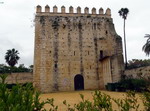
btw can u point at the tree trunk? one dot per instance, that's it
(125, 51)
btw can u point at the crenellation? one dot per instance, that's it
(38, 9)
(78, 10)
(108, 12)
(47, 8)
(63, 9)
(72, 13)
(93, 10)
(86, 10)
(71, 9)
(101, 11)
(55, 9)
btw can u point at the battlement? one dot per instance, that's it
(71, 11)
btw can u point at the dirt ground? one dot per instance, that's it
(74, 97)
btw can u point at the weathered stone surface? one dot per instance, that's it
(143, 72)
(68, 44)
(21, 78)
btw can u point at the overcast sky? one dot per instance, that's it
(17, 26)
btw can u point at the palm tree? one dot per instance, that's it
(146, 47)
(12, 57)
(123, 12)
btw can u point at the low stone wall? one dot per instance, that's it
(139, 72)
(14, 78)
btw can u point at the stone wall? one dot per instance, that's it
(71, 44)
(14, 78)
(138, 72)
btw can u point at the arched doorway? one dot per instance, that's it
(78, 82)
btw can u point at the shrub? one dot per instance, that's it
(102, 102)
(26, 98)
(132, 84)
(146, 100)
(129, 103)
(22, 98)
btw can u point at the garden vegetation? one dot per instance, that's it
(26, 98)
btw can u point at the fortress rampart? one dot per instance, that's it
(75, 50)
(73, 13)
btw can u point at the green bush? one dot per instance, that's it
(21, 98)
(102, 102)
(111, 86)
(146, 100)
(132, 84)
(129, 103)
(26, 98)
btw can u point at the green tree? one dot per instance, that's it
(123, 12)
(12, 57)
(136, 63)
(31, 68)
(146, 47)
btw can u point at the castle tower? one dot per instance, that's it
(75, 50)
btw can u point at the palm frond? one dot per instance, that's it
(123, 12)
(147, 35)
(126, 10)
(146, 47)
(12, 57)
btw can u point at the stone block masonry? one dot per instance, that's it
(20, 78)
(141, 72)
(75, 50)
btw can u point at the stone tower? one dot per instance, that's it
(75, 50)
